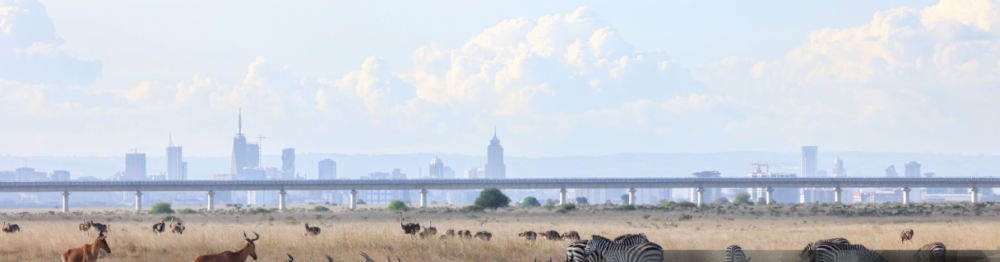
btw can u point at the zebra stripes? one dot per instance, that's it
(834, 252)
(735, 254)
(577, 251)
(933, 252)
(601, 249)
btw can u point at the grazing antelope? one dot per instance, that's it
(571, 235)
(483, 235)
(88, 252)
(907, 234)
(85, 227)
(239, 256)
(551, 235)
(10, 228)
(177, 229)
(159, 227)
(408, 228)
(312, 230)
(528, 235)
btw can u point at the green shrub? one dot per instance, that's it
(530, 202)
(161, 208)
(397, 205)
(742, 198)
(549, 206)
(473, 208)
(721, 201)
(625, 208)
(668, 204)
(582, 201)
(686, 204)
(259, 210)
(492, 198)
(566, 208)
(187, 211)
(320, 209)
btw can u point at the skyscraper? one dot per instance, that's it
(135, 166)
(253, 157)
(495, 168)
(176, 167)
(288, 160)
(912, 169)
(327, 169)
(809, 161)
(838, 168)
(891, 171)
(240, 152)
(436, 168)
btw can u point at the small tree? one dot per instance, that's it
(320, 209)
(742, 198)
(566, 208)
(492, 198)
(187, 211)
(581, 200)
(530, 202)
(397, 205)
(161, 208)
(625, 199)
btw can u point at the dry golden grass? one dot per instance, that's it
(344, 233)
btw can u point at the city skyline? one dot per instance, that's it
(592, 78)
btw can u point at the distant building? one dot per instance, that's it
(710, 194)
(135, 167)
(891, 171)
(818, 195)
(176, 167)
(495, 167)
(474, 173)
(253, 159)
(912, 169)
(436, 168)
(241, 154)
(27, 174)
(838, 168)
(288, 160)
(448, 172)
(822, 173)
(384, 196)
(881, 195)
(59, 175)
(783, 195)
(327, 169)
(809, 160)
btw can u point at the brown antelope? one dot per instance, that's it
(907, 234)
(177, 229)
(483, 235)
(312, 230)
(159, 227)
(10, 228)
(528, 235)
(88, 252)
(408, 228)
(551, 235)
(571, 235)
(85, 227)
(239, 256)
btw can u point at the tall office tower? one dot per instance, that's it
(448, 172)
(135, 166)
(327, 169)
(240, 153)
(912, 169)
(838, 168)
(253, 159)
(176, 167)
(288, 160)
(436, 168)
(891, 171)
(495, 168)
(809, 161)
(59, 175)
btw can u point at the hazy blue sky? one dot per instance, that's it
(555, 77)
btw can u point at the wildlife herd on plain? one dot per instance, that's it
(624, 248)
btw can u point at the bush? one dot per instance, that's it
(566, 208)
(686, 204)
(582, 200)
(625, 208)
(187, 211)
(259, 210)
(161, 208)
(549, 206)
(492, 198)
(721, 201)
(742, 198)
(668, 204)
(685, 217)
(530, 202)
(397, 205)
(320, 209)
(625, 199)
(473, 208)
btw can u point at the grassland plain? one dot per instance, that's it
(46, 234)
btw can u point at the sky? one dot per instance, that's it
(553, 78)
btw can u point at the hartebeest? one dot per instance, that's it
(239, 256)
(88, 252)
(312, 230)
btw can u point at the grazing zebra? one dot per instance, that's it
(603, 249)
(631, 239)
(735, 254)
(907, 234)
(551, 235)
(528, 235)
(833, 252)
(571, 235)
(483, 235)
(312, 230)
(933, 252)
(577, 251)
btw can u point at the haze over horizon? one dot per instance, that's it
(555, 79)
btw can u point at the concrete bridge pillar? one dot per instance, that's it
(562, 196)
(423, 198)
(211, 201)
(354, 199)
(837, 195)
(281, 200)
(974, 194)
(65, 207)
(631, 196)
(906, 195)
(138, 202)
(767, 196)
(701, 193)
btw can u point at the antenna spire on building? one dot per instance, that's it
(171, 136)
(241, 121)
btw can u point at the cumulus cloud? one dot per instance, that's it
(30, 48)
(374, 86)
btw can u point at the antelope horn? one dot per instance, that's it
(329, 259)
(256, 236)
(245, 236)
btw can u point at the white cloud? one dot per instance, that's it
(7, 18)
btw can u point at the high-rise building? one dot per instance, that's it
(912, 169)
(288, 160)
(838, 168)
(448, 172)
(436, 168)
(176, 167)
(327, 169)
(809, 160)
(495, 168)
(59, 175)
(241, 156)
(135, 166)
(472, 173)
(891, 171)
(254, 154)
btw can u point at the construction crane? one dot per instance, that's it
(767, 166)
(136, 150)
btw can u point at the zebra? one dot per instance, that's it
(833, 252)
(631, 239)
(810, 248)
(907, 234)
(735, 254)
(577, 251)
(601, 249)
(933, 252)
